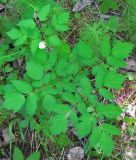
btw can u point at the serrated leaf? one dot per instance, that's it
(85, 86)
(22, 86)
(73, 118)
(83, 49)
(34, 156)
(34, 70)
(49, 103)
(14, 34)
(95, 136)
(84, 127)
(58, 124)
(63, 18)
(110, 129)
(110, 111)
(82, 107)
(107, 4)
(54, 40)
(34, 45)
(61, 109)
(61, 28)
(100, 77)
(106, 144)
(40, 57)
(116, 62)
(69, 97)
(72, 68)
(122, 49)
(52, 58)
(114, 80)
(44, 12)
(105, 47)
(14, 101)
(93, 99)
(27, 23)
(18, 153)
(21, 40)
(60, 21)
(106, 94)
(31, 104)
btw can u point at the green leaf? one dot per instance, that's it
(114, 80)
(102, 139)
(107, 4)
(93, 99)
(100, 76)
(106, 94)
(31, 104)
(82, 107)
(63, 18)
(18, 153)
(105, 47)
(116, 62)
(14, 34)
(110, 111)
(61, 28)
(14, 101)
(58, 124)
(34, 70)
(49, 103)
(73, 118)
(34, 156)
(60, 21)
(84, 127)
(34, 45)
(22, 86)
(69, 97)
(40, 57)
(95, 136)
(110, 129)
(61, 109)
(21, 40)
(54, 40)
(85, 86)
(122, 49)
(27, 23)
(83, 49)
(72, 68)
(106, 144)
(44, 12)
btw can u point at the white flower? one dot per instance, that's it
(42, 45)
(131, 110)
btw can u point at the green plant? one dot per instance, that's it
(106, 5)
(128, 24)
(61, 85)
(18, 154)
